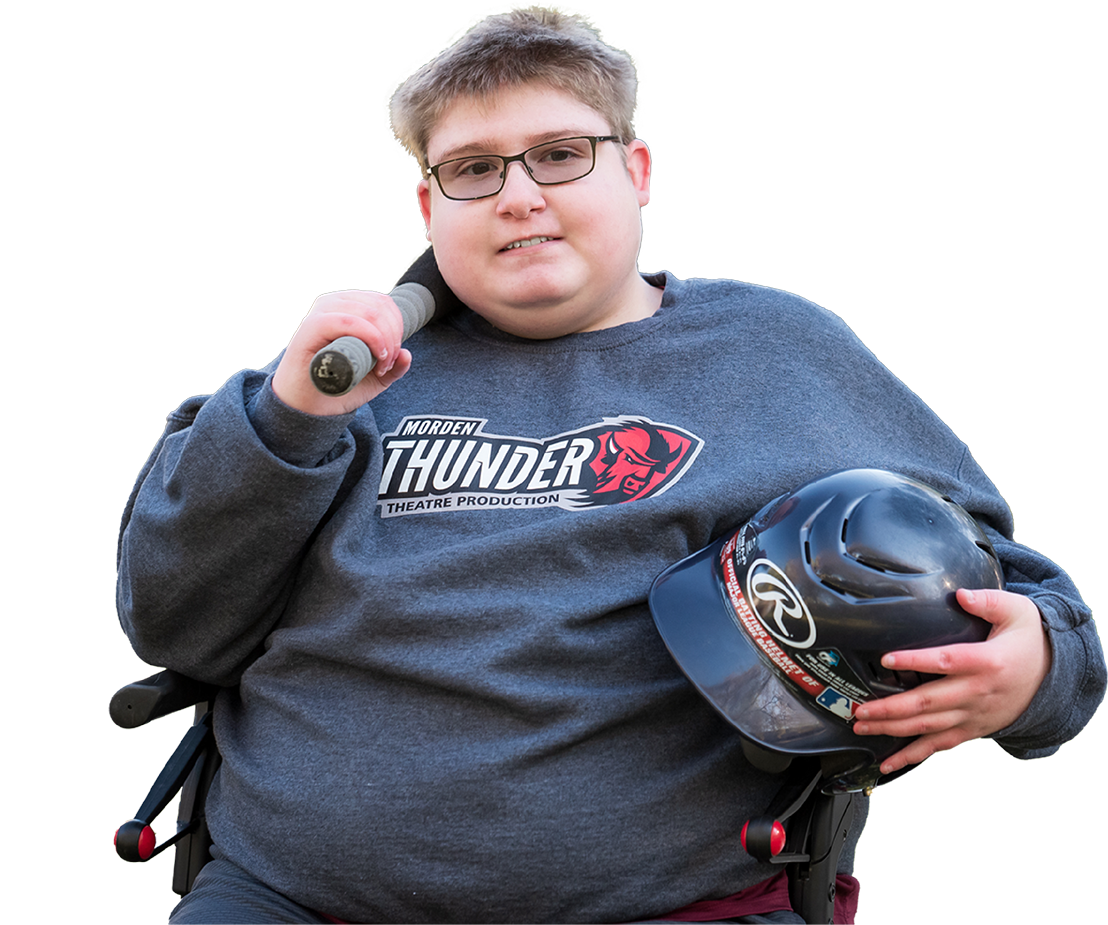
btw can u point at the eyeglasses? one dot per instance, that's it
(548, 164)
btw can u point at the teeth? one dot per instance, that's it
(528, 243)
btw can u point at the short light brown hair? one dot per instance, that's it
(534, 45)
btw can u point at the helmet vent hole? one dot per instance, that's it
(885, 682)
(851, 592)
(874, 564)
(988, 549)
(909, 679)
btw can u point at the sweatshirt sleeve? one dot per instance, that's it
(909, 437)
(1074, 687)
(1075, 684)
(218, 523)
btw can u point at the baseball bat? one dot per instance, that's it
(421, 295)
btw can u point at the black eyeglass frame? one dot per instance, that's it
(593, 140)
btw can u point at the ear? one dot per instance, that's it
(423, 192)
(638, 166)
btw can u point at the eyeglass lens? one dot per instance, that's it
(482, 175)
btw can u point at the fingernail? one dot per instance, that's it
(968, 596)
(889, 661)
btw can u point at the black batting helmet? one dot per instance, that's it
(782, 624)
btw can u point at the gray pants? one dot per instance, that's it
(225, 894)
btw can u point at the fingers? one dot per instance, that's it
(371, 317)
(985, 686)
(928, 708)
(939, 660)
(998, 607)
(1009, 613)
(397, 368)
(976, 683)
(937, 718)
(923, 748)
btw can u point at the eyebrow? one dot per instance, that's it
(490, 146)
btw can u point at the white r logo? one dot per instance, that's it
(779, 605)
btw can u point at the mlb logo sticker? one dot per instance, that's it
(837, 703)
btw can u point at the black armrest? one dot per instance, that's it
(160, 694)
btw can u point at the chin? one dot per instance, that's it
(535, 298)
(545, 287)
(526, 295)
(538, 318)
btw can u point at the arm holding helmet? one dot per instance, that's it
(986, 686)
(1037, 679)
(1032, 685)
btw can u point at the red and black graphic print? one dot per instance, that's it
(435, 463)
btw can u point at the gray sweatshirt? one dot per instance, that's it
(447, 700)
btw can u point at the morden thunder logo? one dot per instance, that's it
(434, 463)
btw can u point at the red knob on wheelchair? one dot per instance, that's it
(135, 841)
(763, 837)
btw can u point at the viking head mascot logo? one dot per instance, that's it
(635, 460)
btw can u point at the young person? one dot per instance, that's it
(446, 700)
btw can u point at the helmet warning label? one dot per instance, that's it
(821, 674)
(753, 627)
(436, 463)
(830, 667)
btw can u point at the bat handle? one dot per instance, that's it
(341, 365)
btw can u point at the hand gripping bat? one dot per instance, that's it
(421, 294)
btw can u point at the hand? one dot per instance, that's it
(371, 317)
(987, 685)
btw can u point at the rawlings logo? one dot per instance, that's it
(779, 606)
(447, 464)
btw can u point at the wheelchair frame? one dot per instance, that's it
(803, 828)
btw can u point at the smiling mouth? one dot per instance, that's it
(527, 242)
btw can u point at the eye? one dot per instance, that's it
(564, 152)
(474, 168)
(559, 155)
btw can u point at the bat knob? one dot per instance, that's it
(341, 365)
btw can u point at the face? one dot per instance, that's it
(576, 270)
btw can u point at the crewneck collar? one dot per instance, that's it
(473, 325)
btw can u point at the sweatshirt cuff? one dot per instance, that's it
(1049, 719)
(300, 439)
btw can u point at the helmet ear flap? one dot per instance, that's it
(764, 759)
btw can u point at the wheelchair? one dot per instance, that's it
(803, 828)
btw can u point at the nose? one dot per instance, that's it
(632, 483)
(520, 195)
